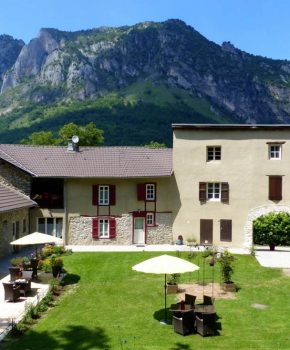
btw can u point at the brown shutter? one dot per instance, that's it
(95, 228)
(206, 231)
(202, 191)
(226, 230)
(112, 227)
(275, 188)
(225, 192)
(95, 194)
(141, 192)
(112, 194)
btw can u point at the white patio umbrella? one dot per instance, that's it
(165, 264)
(36, 238)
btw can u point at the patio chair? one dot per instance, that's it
(11, 292)
(24, 285)
(205, 324)
(190, 299)
(15, 273)
(207, 300)
(185, 324)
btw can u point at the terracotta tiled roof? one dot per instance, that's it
(11, 199)
(54, 161)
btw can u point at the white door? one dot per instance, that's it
(139, 231)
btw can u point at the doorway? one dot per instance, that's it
(139, 230)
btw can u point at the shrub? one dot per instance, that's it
(45, 265)
(226, 260)
(272, 229)
(18, 261)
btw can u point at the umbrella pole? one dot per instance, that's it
(165, 299)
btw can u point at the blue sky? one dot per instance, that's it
(260, 27)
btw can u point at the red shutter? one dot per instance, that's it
(202, 191)
(225, 192)
(112, 225)
(112, 194)
(95, 228)
(141, 192)
(95, 194)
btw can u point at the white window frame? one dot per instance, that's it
(150, 192)
(104, 195)
(54, 226)
(150, 219)
(213, 191)
(104, 228)
(275, 151)
(215, 153)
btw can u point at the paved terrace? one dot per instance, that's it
(8, 310)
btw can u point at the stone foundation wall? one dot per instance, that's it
(80, 231)
(15, 178)
(162, 232)
(255, 214)
(6, 221)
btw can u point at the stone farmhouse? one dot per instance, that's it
(211, 185)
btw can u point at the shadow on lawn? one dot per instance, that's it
(71, 278)
(179, 346)
(73, 337)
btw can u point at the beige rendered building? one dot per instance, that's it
(227, 176)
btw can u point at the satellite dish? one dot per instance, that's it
(75, 139)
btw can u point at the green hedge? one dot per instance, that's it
(273, 228)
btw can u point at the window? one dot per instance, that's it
(213, 153)
(50, 226)
(275, 188)
(103, 195)
(104, 228)
(150, 192)
(150, 219)
(275, 151)
(226, 230)
(214, 191)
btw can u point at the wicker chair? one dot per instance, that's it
(11, 292)
(205, 324)
(185, 324)
(15, 273)
(190, 299)
(208, 300)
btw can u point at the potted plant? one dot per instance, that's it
(191, 241)
(226, 260)
(56, 265)
(172, 284)
(210, 254)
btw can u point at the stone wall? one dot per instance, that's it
(162, 232)
(254, 214)
(15, 178)
(80, 231)
(6, 221)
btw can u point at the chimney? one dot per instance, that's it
(73, 144)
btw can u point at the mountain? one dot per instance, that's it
(133, 81)
(9, 51)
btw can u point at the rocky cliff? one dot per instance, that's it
(9, 51)
(64, 66)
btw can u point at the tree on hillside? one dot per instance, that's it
(88, 135)
(40, 138)
(155, 144)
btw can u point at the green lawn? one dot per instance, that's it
(109, 306)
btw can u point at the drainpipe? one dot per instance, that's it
(65, 222)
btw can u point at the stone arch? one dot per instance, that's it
(254, 214)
